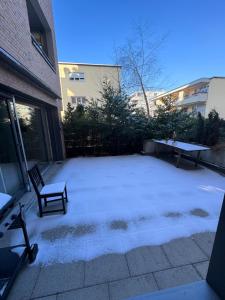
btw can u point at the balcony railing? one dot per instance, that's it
(195, 98)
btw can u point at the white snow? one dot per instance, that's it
(181, 145)
(53, 188)
(119, 203)
(18, 250)
(4, 198)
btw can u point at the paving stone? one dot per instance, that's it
(133, 286)
(205, 241)
(58, 278)
(106, 268)
(97, 292)
(147, 259)
(24, 283)
(198, 290)
(183, 251)
(176, 276)
(52, 297)
(202, 268)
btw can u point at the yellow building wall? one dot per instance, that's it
(216, 96)
(91, 86)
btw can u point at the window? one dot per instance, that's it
(11, 179)
(201, 108)
(76, 76)
(33, 129)
(78, 100)
(41, 34)
(204, 89)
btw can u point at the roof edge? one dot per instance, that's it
(202, 79)
(89, 64)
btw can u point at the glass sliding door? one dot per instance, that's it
(11, 178)
(33, 129)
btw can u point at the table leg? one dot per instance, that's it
(157, 150)
(197, 159)
(178, 159)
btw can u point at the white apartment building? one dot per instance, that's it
(137, 99)
(201, 95)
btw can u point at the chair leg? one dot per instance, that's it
(63, 204)
(66, 194)
(40, 207)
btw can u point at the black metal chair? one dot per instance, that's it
(48, 193)
(14, 257)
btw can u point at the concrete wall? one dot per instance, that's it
(216, 96)
(151, 148)
(214, 156)
(91, 85)
(15, 38)
(17, 82)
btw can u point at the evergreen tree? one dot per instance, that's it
(116, 114)
(169, 119)
(108, 122)
(113, 126)
(212, 128)
(68, 117)
(200, 129)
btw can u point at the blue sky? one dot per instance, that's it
(88, 31)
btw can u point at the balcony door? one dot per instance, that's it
(12, 180)
(24, 141)
(34, 133)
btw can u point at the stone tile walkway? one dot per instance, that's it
(119, 276)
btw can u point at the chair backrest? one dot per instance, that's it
(36, 178)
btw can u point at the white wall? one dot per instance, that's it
(216, 96)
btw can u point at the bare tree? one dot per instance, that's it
(138, 57)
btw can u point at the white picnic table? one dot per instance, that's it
(181, 147)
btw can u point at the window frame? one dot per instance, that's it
(75, 99)
(76, 76)
(47, 51)
(42, 53)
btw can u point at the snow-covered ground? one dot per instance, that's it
(4, 198)
(118, 203)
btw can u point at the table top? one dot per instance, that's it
(181, 145)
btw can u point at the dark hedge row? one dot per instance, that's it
(111, 126)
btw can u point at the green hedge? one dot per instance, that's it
(111, 126)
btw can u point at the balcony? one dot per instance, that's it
(194, 98)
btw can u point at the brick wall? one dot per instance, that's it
(16, 82)
(15, 38)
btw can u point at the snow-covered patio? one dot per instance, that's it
(119, 203)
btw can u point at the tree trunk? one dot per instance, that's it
(146, 100)
(144, 93)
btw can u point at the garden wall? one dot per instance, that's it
(215, 156)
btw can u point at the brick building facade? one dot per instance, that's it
(30, 125)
